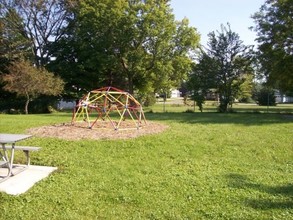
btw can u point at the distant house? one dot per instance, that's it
(282, 98)
(212, 95)
(175, 93)
(65, 104)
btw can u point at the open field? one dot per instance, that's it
(204, 166)
(177, 105)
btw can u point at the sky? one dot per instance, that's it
(208, 15)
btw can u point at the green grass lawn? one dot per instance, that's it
(176, 105)
(205, 166)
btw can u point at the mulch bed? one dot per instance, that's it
(101, 130)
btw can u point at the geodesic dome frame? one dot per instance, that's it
(105, 101)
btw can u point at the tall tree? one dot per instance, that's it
(222, 65)
(30, 82)
(135, 45)
(245, 91)
(14, 44)
(200, 80)
(274, 25)
(40, 21)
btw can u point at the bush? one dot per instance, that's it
(266, 97)
(149, 99)
(247, 100)
(189, 111)
(44, 104)
(12, 105)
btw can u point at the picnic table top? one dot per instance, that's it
(12, 138)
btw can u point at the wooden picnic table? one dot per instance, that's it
(7, 158)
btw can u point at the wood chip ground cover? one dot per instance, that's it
(101, 130)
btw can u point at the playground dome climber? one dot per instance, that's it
(109, 103)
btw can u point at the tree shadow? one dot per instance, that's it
(248, 119)
(220, 118)
(283, 195)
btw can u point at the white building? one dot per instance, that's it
(281, 98)
(175, 93)
(63, 104)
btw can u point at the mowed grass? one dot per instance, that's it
(205, 166)
(177, 105)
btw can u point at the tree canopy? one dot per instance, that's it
(39, 23)
(135, 45)
(131, 44)
(274, 25)
(221, 66)
(29, 82)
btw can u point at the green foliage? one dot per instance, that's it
(200, 80)
(12, 104)
(14, 43)
(231, 62)
(148, 99)
(133, 45)
(222, 67)
(30, 82)
(38, 22)
(266, 97)
(244, 94)
(43, 104)
(27, 29)
(274, 24)
(235, 166)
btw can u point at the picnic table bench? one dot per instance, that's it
(26, 150)
(6, 158)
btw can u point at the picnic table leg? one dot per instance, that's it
(5, 158)
(1, 155)
(11, 159)
(27, 157)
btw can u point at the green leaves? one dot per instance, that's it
(27, 81)
(14, 43)
(221, 67)
(135, 45)
(274, 24)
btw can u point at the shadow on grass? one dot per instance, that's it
(282, 196)
(221, 118)
(191, 118)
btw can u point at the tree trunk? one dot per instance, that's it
(130, 84)
(26, 103)
(224, 102)
(129, 76)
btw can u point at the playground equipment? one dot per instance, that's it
(109, 103)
